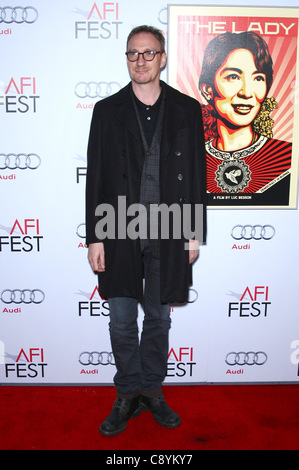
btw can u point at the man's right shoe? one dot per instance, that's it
(123, 409)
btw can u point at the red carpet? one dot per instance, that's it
(238, 417)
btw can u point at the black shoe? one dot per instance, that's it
(123, 409)
(162, 414)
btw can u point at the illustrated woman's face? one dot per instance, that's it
(241, 89)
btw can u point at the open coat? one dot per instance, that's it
(115, 162)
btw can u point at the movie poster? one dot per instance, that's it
(241, 64)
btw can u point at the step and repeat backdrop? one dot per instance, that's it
(58, 59)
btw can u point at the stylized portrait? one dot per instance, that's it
(242, 155)
(242, 66)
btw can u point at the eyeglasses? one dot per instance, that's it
(147, 55)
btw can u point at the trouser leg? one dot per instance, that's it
(155, 334)
(140, 366)
(125, 345)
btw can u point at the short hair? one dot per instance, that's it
(221, 46)
(148, 29)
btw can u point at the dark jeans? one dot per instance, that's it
(141, 365)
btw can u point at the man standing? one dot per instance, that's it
(146, 147)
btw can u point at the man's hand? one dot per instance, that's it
(193, 250)
(96, 257)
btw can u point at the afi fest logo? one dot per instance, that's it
(102, 22)
(29, 364)
(24, 236)
(95, 306)
(81, 171)
(180, 362)
(19, 96)
(256, 306)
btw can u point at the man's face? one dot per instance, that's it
(143, 72)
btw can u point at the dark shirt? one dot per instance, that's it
(149, 117)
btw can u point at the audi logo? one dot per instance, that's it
(96, 358)
(96, 89)
(21, 161)
(246, 359)
(81, 231)
(253, 232)
(18, 15)
(163, 13)
(25, 296)
(193, 296)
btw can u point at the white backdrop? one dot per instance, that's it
(241, 324)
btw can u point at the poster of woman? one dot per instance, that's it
(242, 66)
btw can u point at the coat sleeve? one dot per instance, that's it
(94, 179)
(199, 186)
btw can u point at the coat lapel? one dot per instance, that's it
(173, 121)
(125, 112)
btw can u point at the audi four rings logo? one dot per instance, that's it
(25, 296)
(246, 359)
(193, 296)
(163, 13)
(21, 161)
(96, 358)
(18, 15)
(96, 89)
(81, 231)
(253, 232)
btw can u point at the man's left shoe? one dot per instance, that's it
(162, 414)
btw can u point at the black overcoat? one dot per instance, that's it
(115, 162)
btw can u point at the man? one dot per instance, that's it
(146, 147)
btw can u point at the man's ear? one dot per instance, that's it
(163, 60)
